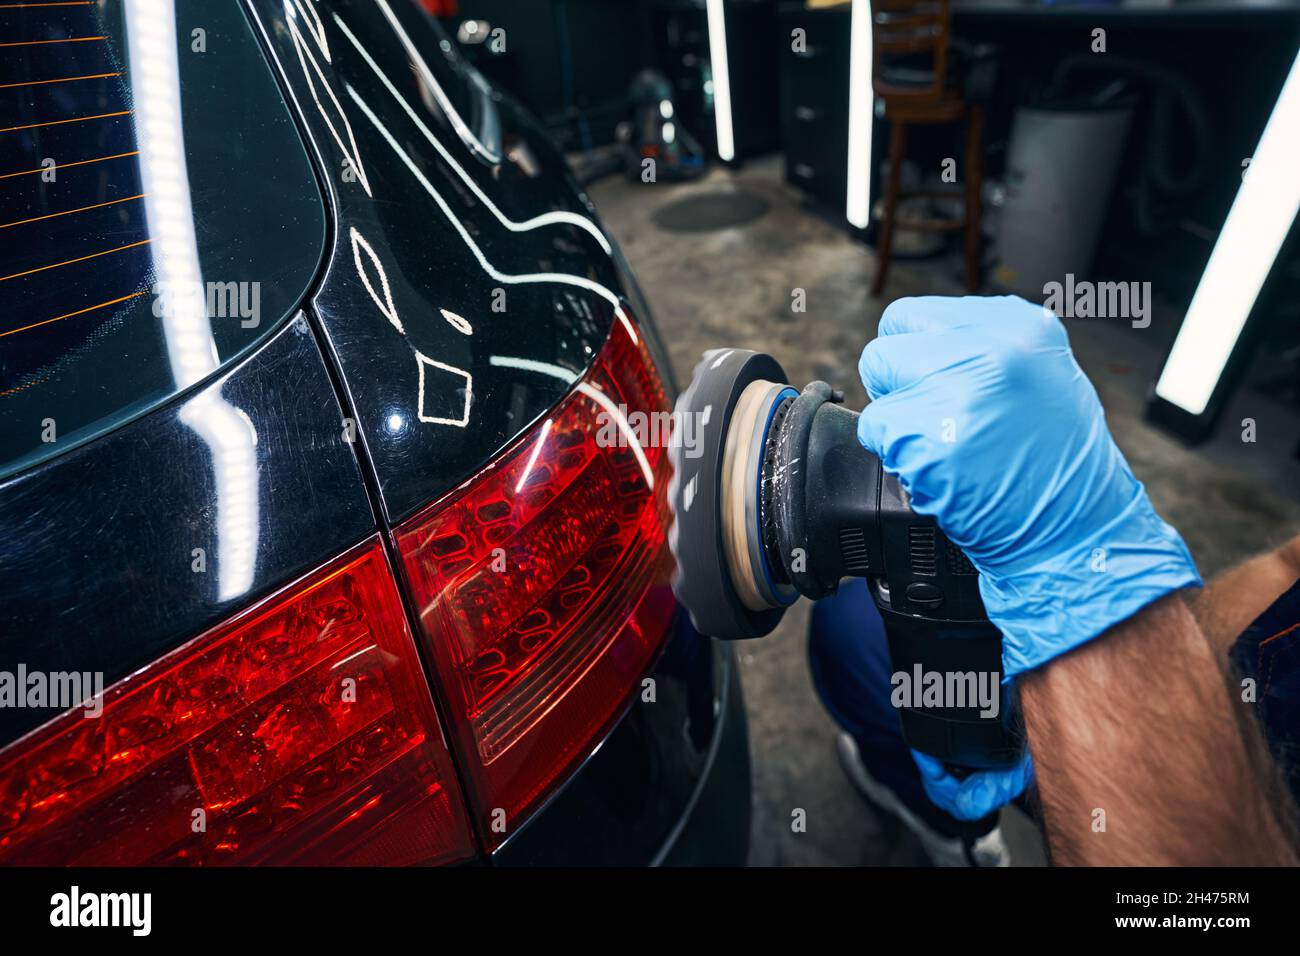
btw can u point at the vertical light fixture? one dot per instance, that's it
(717, 17)
(1257, 224)
(857, 205)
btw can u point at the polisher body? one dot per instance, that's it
(784, 501)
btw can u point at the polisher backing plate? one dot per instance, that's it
(701, 580)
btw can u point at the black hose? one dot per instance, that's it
(1170, 95)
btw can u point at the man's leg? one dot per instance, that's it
(1251, 615)
(1266, 658)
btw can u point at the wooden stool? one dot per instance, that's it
(922, 28)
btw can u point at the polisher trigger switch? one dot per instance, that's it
(925, 595)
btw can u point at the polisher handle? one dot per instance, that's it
(854, 520)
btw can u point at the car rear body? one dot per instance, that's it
(406, 449)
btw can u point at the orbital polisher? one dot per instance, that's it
(777, 498)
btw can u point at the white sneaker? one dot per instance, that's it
(989, 850)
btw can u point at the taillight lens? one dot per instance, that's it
(301, 731)
(543, 586)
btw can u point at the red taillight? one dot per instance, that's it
(301, 731)
(543, 587)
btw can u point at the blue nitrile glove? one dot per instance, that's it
(980, 409)
(978, 795)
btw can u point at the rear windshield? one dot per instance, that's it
(158, 212)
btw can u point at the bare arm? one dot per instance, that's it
(1233, 599)
(1137, 725)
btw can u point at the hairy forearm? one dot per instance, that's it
(1232, 600)
(1140, 758)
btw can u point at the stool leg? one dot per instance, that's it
(974, 183)
(897, 140)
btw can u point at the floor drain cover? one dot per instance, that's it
(705, 212)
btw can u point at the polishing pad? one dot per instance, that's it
(704, 517)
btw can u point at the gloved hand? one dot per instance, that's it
(978, 795)
(980, 410)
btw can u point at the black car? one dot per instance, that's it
(316, 380)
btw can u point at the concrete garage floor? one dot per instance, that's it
(734, 287)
